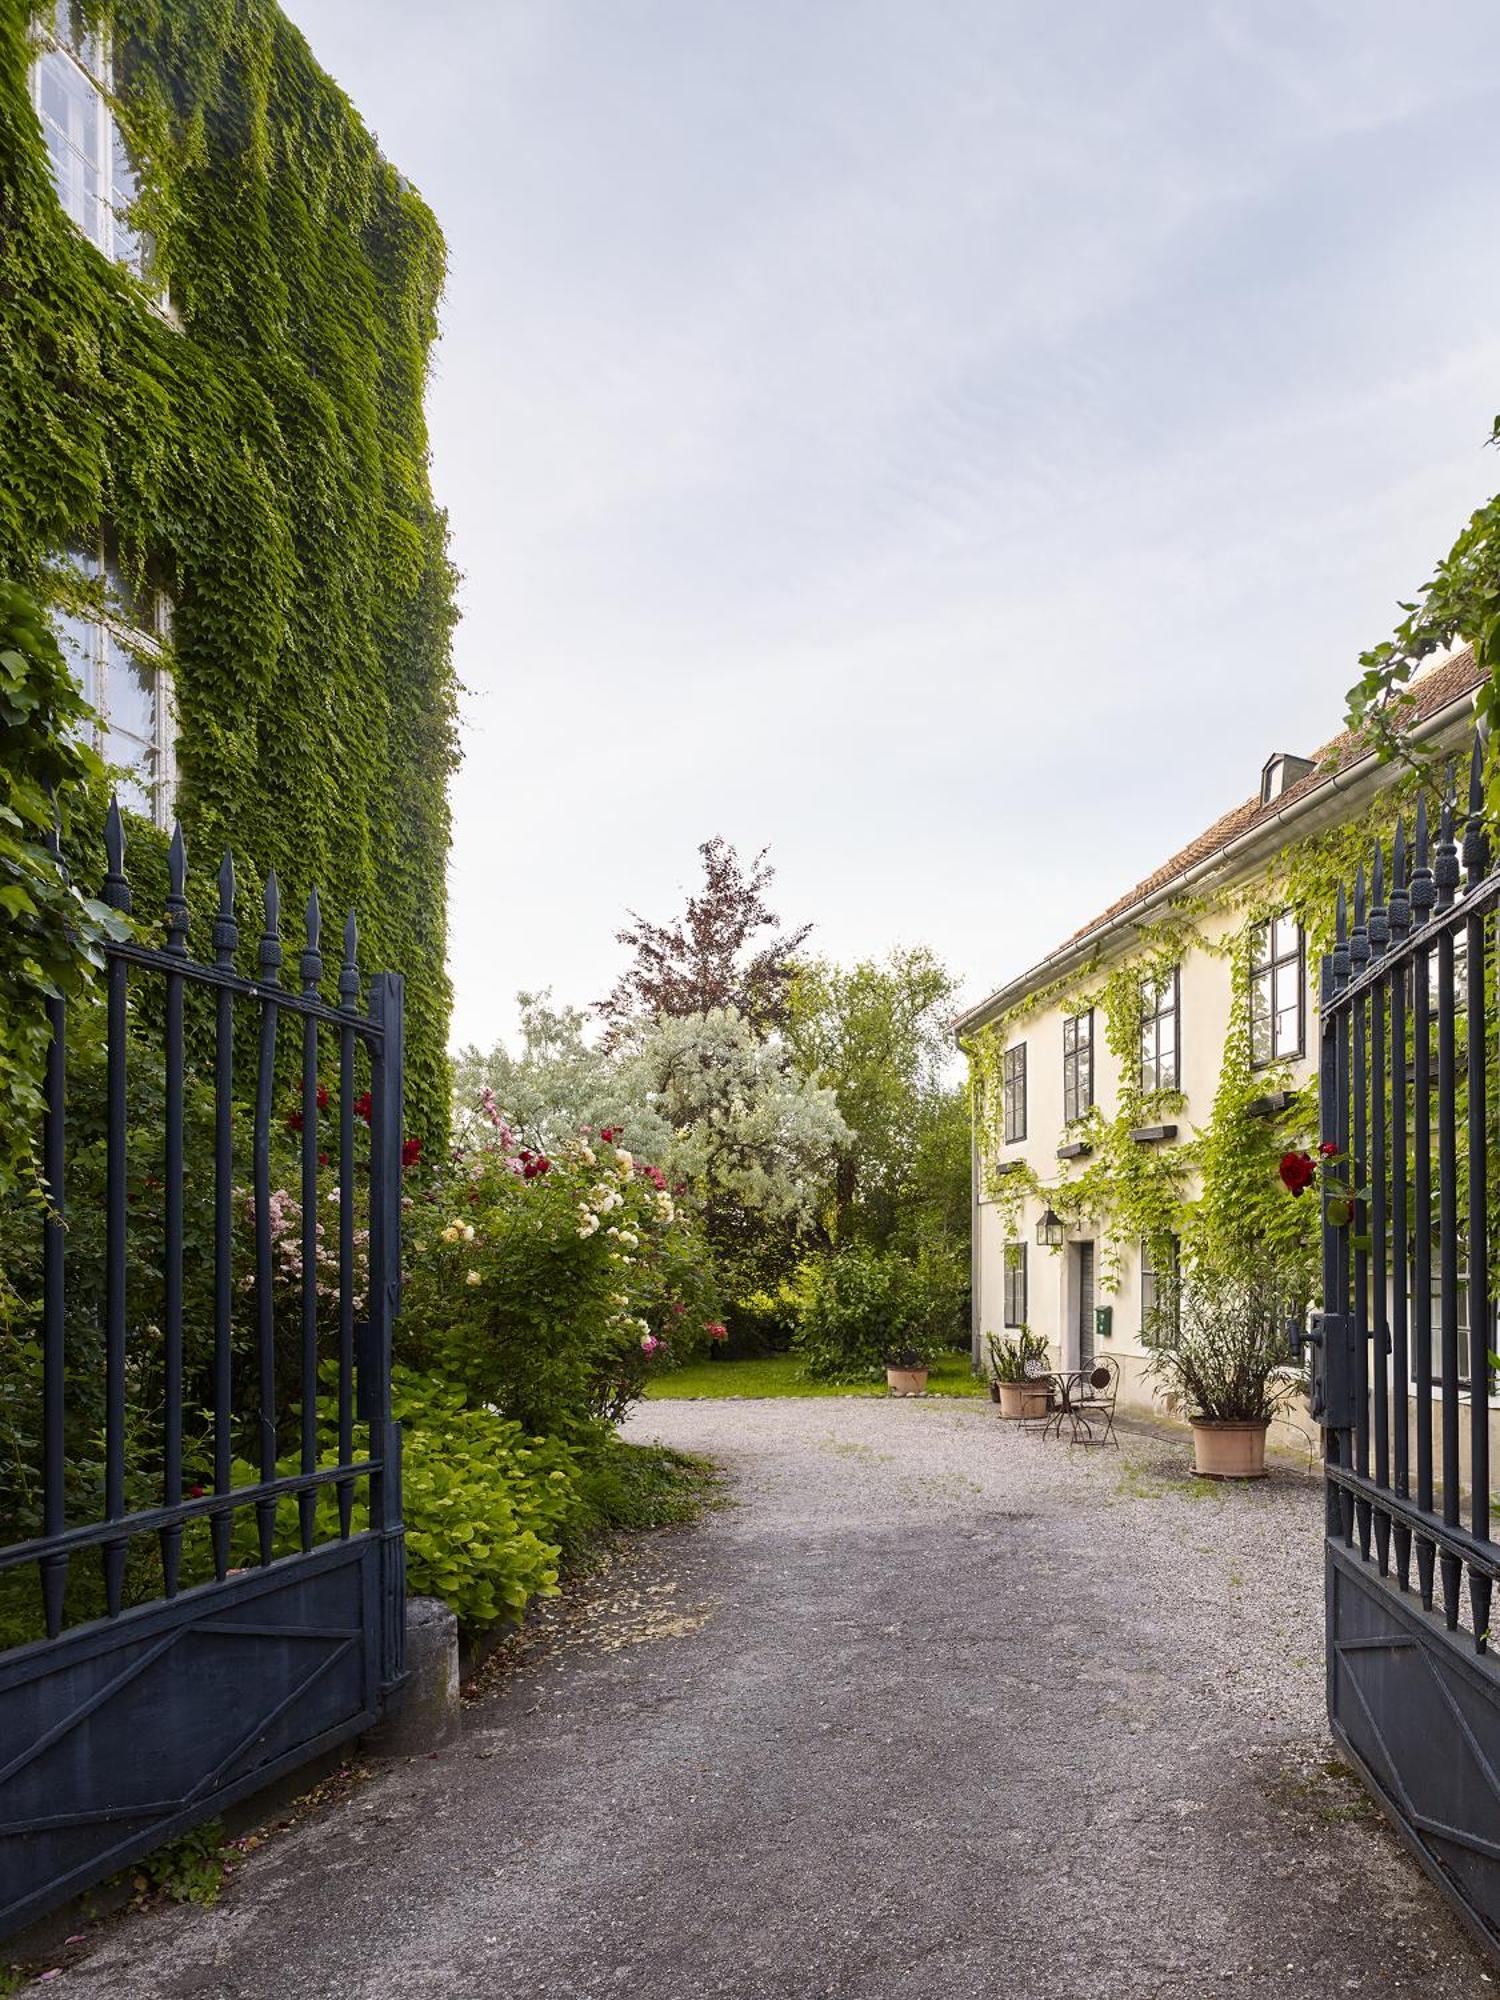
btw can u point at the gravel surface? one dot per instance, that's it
(932, 1710)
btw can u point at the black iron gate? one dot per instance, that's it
(1402, 1364)
(213, 1555)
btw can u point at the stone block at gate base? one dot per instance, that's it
(423, 1713)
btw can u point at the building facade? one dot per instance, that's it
(217, 306)
(1164, 1057)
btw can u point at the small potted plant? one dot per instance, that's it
(1019, 1380)
(906, 1369)
(1220, 1348)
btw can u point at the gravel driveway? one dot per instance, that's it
(932, 1710)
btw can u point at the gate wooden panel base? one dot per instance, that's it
(132, 1730)
(1418, 1710)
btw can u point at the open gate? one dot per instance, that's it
(1401, 1354)
(209, 1588)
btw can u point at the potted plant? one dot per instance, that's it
(1019, 1380)
(1220, 1348)
(906, 1369)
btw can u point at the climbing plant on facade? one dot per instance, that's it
(259, 450)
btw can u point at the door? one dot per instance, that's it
(1085, 1295)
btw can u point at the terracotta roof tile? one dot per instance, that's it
(1433, 691)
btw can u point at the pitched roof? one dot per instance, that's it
(1431, 692)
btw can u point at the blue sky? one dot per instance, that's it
(953, 444)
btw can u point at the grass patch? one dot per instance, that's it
(630, 1488)
(786, 1375)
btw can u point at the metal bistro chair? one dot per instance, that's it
(1090, 1403)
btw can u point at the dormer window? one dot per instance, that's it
(1280, 773)
(71, 84)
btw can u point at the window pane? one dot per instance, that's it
(1260, 946)
(1288, 935)
(72, 127)
(131, 691)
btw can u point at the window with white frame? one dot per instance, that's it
(1435, 1310)
(1078, 1065)
(1015, 1284)
(71, 82)
(1159, 1024)
(1277, 1020)
(111, 635)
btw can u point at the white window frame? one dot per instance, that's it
(94, 63)
(146, 642)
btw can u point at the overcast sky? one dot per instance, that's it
(950, 441)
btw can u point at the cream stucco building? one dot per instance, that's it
(1051, 1077)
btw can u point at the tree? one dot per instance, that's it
(1461, 600)
(560, 1084)
(879, 1036)
(704, 961)
(754, 1140)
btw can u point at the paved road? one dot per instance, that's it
(933, 1711)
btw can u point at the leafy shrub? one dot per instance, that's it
(864, 1309)
(551, 1286)
(1009, 1358)
(1227, 1358)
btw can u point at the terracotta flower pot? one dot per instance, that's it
(1024, 1399)
(906, 1381)
(1229, 1450)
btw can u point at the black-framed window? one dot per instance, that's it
(1161, 1269)
(1078, 1065)
(1013, 1083)
(1278, 988)
(1160, 1014)
(1015, 1284)
(1465, 1361)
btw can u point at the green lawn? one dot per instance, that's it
(782, 1375)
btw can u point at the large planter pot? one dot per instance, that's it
(1229, 1450)
(1024, 1399)
(906, 1381)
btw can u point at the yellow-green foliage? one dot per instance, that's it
(268, 456)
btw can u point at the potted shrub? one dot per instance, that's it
(1220, 1347)
(1019, 1382)
(906, 1371)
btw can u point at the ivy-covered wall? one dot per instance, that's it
(266, 456)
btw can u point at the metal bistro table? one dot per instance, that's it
(1086, 1400)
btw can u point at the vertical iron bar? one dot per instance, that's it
(117, 999)
(1380, 934)
(1476, 860)
(1359, 958)
(54, 1568)
(226, 940)
(1340, 1442)
(268, 960)
(312, 973)
(1446, 872)
(1400, 923)
(348, 1004)
(387, 1003)
(1423, 896)
(175, 949)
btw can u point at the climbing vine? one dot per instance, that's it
(262, 453)
(1216, 1188)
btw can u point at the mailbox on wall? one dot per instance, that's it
(1104, 1322)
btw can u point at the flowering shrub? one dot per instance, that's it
(861, 1310)
(550, 1284)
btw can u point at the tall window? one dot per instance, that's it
(116, 657)
(1015, 1284)
(71, 81)
(1161, 1264)
(1013, 1079)
(1465, 1361)
(1277, 1025)
(1159, 1021)
(1078, 1065)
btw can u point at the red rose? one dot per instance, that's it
(411, 1152)
(322, 1159)
(1328, 1148)
(322, 1096)
(364, 1106)
(294, 1121)
(1297, 1172)
(195, 1493)
(607, 1134)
